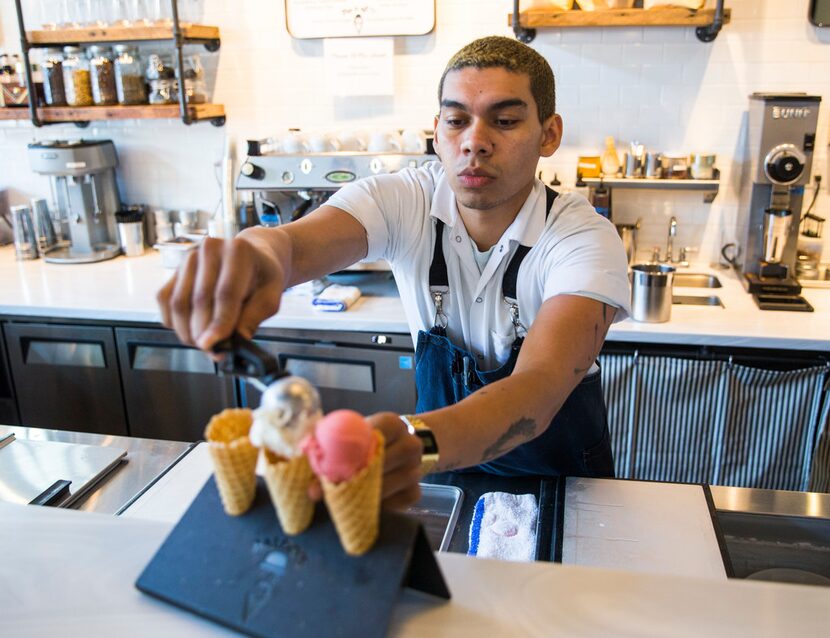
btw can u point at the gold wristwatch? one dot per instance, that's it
(417, 427)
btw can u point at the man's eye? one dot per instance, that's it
(454, 121)
(504, 122)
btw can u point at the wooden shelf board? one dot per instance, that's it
(94, 113)
(656, 17)
(119, 34)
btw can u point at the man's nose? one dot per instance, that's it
(477, 140)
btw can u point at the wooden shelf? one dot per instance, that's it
(95, 113)
(90, 35)
(656, 17)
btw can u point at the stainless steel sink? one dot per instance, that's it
(695, 300)
(695, 280)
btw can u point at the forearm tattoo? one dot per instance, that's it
(523, 429)
(597, 341)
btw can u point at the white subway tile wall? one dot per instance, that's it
(660, 86)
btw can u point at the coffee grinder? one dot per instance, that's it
(781, 135)
(82, 177)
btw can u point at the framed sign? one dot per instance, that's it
(358, 18)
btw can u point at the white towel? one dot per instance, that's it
(504, 527)
(336, 298)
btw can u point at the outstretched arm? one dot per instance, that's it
(232, 286)
(560, 348)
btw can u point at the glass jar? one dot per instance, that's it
(102, 76)
(53, 91)
(129, 77)
(163, 91)
(76, 77)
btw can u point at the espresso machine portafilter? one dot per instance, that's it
(84, 189)
(781, 134)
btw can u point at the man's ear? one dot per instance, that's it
(551, 135)
(435, 140)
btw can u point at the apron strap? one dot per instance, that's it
(439, 283)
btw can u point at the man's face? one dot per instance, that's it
(489, 137)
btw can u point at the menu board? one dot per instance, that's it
(358, 18)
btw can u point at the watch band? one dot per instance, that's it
(417, 427)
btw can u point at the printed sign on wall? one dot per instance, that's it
(356, 18)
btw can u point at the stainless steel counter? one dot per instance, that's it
(146, 460)
(779, 502)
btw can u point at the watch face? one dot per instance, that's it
(428, 441)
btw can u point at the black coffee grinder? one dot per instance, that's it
(781, 136)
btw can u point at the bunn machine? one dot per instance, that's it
(781, 135)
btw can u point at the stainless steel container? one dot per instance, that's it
(23, 229)
(651, 292)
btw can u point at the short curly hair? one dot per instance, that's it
(498, 51)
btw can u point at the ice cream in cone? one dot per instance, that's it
(289, 409)
(234, 458)
(347, 456)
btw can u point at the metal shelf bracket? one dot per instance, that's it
(522, 35)
(710, 32)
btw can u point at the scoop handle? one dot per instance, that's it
(244, 358)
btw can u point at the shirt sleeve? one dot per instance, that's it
(381, 204)
(587, 258)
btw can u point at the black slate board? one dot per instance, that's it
(245, 573)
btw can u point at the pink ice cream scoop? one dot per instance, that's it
(341, 445)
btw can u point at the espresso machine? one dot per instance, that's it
(284, 179)
(781, 136)
(82, 177)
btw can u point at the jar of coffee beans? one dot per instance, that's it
(102, 76)
(129, 76)
(53, 91)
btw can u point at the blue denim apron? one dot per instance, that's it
(576, 443)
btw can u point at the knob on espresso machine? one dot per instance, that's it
(253, 171)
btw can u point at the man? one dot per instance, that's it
(509, 289)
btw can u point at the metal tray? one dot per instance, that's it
(438, 512)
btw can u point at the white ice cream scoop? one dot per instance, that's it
(287, 413)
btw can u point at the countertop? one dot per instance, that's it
(123, 289)
(101, 556)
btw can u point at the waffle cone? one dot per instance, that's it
(288, 481)
(234, 458)
(354, 505)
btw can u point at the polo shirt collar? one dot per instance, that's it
(525, 229)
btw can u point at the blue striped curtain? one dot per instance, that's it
(687, 420)
(820, 471)
(771, 422)
(618, 388)
(679, 424)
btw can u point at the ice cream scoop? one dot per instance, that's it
(287, 413)
(342, 444)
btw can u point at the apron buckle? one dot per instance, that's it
(440, 320)
(514, 317)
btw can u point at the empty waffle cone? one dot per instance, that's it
(288, 481)
(234, 458)
(354, 505)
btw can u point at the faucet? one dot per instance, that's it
(669, 256)
(670, 240)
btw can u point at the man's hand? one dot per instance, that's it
(223, 287)
(402, 463)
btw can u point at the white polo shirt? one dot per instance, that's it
(576, 251)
